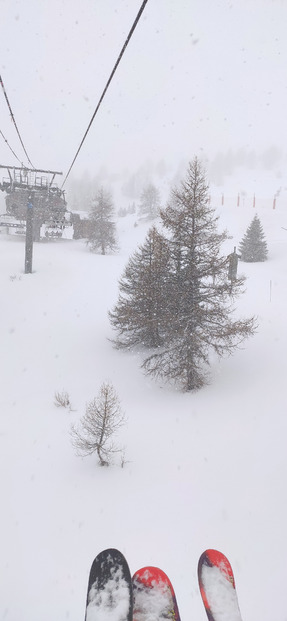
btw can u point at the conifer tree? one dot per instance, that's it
(253, 246)
(177, 299)
(150, 201)
(102, 230)
(199, 304)
(138, 316)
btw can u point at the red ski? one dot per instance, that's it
(217, 587)
(153, 596)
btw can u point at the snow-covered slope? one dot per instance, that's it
(202, 470)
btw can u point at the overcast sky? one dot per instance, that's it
(198, 77)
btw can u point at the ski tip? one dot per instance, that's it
(111, 555)
(214, 558)
(217, 586)
(149, 575)
(104, 562)
(150, 578)
(109, 579)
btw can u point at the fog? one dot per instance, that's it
(205, 78)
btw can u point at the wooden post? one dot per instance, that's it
(232, 267)
(29, 236)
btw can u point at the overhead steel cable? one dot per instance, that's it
(17, 158)
(107, 85)
(13, 119)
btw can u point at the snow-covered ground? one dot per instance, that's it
(202, 470)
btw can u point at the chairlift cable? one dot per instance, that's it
(17, 158)
(15, 124)
(107, 84)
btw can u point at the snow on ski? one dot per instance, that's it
(217, 587)
(109, 596)
(153, 596)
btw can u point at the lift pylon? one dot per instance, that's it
(32, 199)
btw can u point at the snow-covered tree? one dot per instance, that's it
(102, 231)
(253, 246)
(138, 316)
(98, 426)
(175, 296)
(199, 303)
(131, 208)
(150, 201)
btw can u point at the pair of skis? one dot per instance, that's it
(114, 595)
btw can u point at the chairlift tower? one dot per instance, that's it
(32, 197)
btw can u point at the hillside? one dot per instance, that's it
(202, 470)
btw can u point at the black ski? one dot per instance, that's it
(109, 596)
